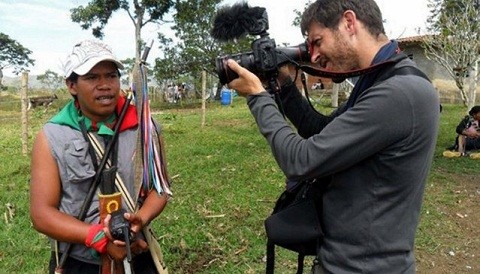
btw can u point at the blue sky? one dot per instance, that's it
(45, 27)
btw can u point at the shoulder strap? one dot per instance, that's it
(270, 258)
(410, 70)
(118, 180)
(405, 70)
(270, 268)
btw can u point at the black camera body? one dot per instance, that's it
(265, 58)
(119, 227)
(120, 230)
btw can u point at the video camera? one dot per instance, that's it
(265, 58)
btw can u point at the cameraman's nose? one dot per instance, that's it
(315, 56)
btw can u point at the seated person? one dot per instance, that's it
(468, 131)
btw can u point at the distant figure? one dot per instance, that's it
(468, 131)
(318, 85)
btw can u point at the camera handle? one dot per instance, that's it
(273, 86)
(120, 230)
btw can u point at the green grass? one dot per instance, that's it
(225, 182)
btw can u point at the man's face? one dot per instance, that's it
(331, 49)
(97, 91)
(476, 116)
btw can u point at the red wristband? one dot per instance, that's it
(97, 239)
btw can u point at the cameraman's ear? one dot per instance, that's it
(350, 21)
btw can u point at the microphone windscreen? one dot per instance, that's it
(235, 22)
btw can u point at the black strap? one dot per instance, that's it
(270, 269)
(406, 70)
(270, 265)
(107, 181)
(91, 151)
(384, 75)
(344, 74)
(300, 259)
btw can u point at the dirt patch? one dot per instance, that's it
(460, 249)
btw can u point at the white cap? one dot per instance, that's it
(86, 54)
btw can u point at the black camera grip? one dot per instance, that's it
(120, 230)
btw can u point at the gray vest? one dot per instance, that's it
(70, 150)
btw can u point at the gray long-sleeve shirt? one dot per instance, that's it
(378, 153)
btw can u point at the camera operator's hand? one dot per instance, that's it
(247, 83)
(284, 76)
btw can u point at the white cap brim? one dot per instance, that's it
(90, 63)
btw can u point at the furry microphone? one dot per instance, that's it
(231, 23)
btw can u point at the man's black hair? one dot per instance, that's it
(74, 77)
(328, 13)
(474, 110)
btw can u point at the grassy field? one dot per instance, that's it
(225, 182)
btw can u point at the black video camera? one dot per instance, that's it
(120, 230)
(265, 58)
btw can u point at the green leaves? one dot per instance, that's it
(51, 80)
(194, 50)
(97, 11)
(13, 54)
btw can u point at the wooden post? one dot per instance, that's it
(204, 92)
(23, 96)
(334, 96)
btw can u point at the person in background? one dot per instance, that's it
(378, 163)
(468, 131)
(63, 166)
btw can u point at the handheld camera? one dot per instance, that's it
(265, 58)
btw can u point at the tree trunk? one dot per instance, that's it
(1, 79)
(334, 96)
(24, 92)
(472, 87)
(204, 95)
(138, 34)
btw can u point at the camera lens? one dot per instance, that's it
(225, 74)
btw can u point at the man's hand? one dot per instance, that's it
(471, 132)
(117, 248)
(284, 76)
(247, 83)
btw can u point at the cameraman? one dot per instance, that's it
(377, 147)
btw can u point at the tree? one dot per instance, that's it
(14, 55)
(98, 12)
(51, 80)
(194, 49)
(455, 43)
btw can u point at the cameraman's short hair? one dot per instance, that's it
(329, 12)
